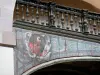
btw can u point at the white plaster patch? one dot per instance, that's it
(6, 14)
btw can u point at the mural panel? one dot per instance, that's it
(34, 48)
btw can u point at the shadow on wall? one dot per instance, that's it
(77, 4)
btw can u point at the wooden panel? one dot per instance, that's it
(77, 4)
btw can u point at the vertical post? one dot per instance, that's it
(51, 14)
(84, 15)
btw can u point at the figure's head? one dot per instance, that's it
(37, 43)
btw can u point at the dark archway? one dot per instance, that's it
(71, 68)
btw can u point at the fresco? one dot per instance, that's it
(34, 48)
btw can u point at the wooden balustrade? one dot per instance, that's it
(53, 15)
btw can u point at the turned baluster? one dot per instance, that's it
(85, 26)
(23, 17)
(71, 22)
(90, 25)
(17, 11)
(58, 20)
(33, 20)
(37, 15)
(42, 15)
(46, 15)
(94, 27)
(62, 21)
(52, 19)
(84, 17)
(76, 22)
(27, 13)
(98, 24)
(66, 15)
(80, 24)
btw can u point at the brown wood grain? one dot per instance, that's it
(91, 5)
